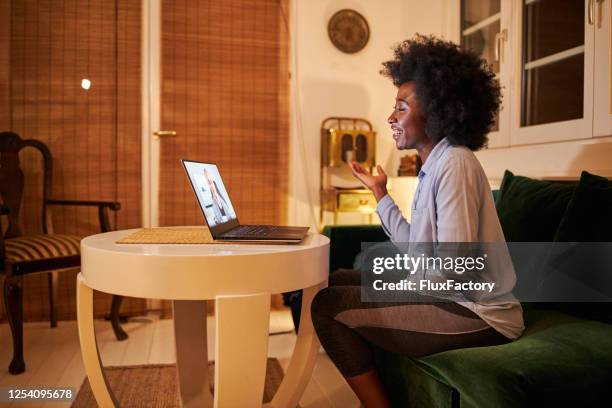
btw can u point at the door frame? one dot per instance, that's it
(151, 108)
(150, 88)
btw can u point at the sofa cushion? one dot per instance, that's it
(559, 361)
(588, 217)
(530, 210)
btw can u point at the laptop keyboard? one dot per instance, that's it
(250, 230)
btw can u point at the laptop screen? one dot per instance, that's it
(210, 190)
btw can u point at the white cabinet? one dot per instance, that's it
(553, 59)
(602, 123)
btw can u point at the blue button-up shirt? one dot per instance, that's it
(453, 203)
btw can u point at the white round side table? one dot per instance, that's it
(240, 278)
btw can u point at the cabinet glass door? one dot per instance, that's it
(554, 54)
(482, 32)
(480, 21)
(553, 61)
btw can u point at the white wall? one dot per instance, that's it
(550, 160)
(331, 83)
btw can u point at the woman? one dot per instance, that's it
(446, 102)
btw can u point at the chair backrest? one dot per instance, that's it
(12, 179)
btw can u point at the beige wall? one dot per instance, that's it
(331, 83)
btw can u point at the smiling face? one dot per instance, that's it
(407, 120)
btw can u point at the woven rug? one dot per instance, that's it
(156, 385)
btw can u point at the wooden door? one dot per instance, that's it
(224, 90)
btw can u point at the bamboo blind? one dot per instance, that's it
(5, 27)
(225, 91)
(93, 135)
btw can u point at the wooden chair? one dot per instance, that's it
(42, 253)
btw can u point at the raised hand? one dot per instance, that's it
(377, 184)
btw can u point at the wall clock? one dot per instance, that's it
(348, 31)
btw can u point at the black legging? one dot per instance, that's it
(347, 327)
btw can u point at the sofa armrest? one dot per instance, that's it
(345, 242)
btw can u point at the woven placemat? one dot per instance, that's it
(168, 235)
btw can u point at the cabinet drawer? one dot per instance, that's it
(362, 202)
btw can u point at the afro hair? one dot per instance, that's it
(458, 90)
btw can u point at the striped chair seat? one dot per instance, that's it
(38, 247)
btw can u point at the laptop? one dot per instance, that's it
(220, 215)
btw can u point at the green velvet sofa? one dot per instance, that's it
(562, 359)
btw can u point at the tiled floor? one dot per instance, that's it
(53, 357)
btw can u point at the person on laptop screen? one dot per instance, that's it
(219, 203)
(211, 193)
